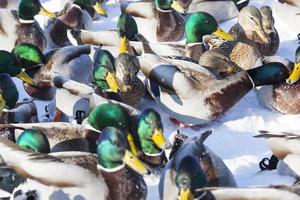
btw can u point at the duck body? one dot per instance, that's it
(9, 4)
(215, 172)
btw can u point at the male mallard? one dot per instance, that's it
(285, 147)
(182, 89)
(197, 25)
(21, 27)
(9, 94)
(243, 52)
(119, 76)
(193, 167)
(111, 169)
(74, 16)
(71, 62)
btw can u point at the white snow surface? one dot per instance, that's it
(232, 137)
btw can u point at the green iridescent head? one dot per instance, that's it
(200, 24)
(28, 55)
(95, 4)
(190, 177)
(104, 70)
(169, 5)
(34, 140)
(9, 64)
(9, 92)
(127, 26)
(85, 3)
(150, 132)
(29, 8)
(109, 114)
(113, 151)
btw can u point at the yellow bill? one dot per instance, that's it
(176, 6)
(112, 82)
(159, 139)
(2, 104)
(295, 75)
(222, 34)
(133, 162)
(24, 77)
(123, 45)
(47, 13)
(98, 8)
(133, 148)
(186, 194)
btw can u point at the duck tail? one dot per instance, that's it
(200, 140)
(145, 43)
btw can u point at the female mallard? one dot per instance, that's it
(106, 177)
(71, 62)
(193, 167)
(197, 25)
(21, 27)
(243, 52)
(182, 89)
(119, 76)
(285, 147)
(74, 16)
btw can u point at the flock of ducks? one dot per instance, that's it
(94, 142)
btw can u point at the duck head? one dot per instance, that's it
(127, 29)
(267, 19)
(250, 20)
(150, 132)
(29, 8)
(95, 4)
(9, 64)
(113, 152)
(34, 140)
(105, 71)
(127, 67)
(190, 177)
(9, 94)
(169, 5)
(200, 24)
(114, 115)
(295, 75)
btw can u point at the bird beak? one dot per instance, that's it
(132, 145)
(295, 75)
(262, 35)
(159, 139)
(47, 13)
(98, 8)
(133, 162)
(185, 194)
(24, 77)
(176, 6)
(222, 34)
(123, 45)
(112, 82)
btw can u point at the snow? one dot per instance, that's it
(232, 137)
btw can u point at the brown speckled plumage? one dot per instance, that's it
(125, 184)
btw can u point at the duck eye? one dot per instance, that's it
(252, 18)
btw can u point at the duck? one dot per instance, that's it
(241, 53)
(19, 26)
(9, 94)
(179, 89)
(193, 167)
(119, 76)
(73, 16)
(281, 97)
(120, 167)
(283, 145)
(71, 61)
(196, 27)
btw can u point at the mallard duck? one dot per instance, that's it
(21, 27)
(243, 52)
(281, 97)
(74, 16)
(119, 76)
(193, 166)
(197, 25)
(111, 170)
(179, 89)
(9, 94)
(71, 61)
(285, 147)
(294, 77)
